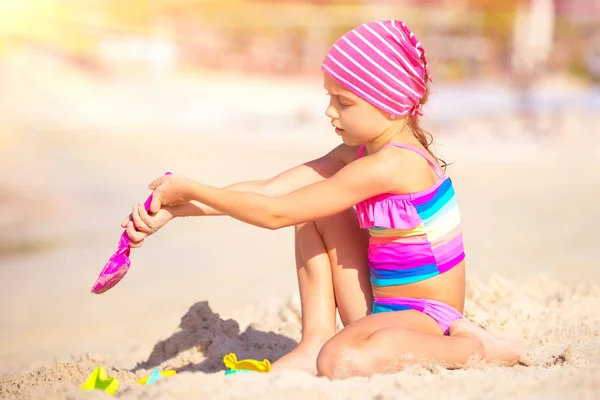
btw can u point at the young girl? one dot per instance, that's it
(399, 286)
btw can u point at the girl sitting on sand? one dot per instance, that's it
(399, 282)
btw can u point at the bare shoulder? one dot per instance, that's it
(410, 171)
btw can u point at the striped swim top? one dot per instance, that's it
(413, 236)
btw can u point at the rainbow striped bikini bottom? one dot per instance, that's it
(442, 313)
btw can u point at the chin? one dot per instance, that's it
(348, 142)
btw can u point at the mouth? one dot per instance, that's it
(339, 131)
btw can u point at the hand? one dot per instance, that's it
(169, 190)
(139, 224)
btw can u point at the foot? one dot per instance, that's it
(494, 350)
(303, 357)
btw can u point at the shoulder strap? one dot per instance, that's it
(361, 150)
(435, 167)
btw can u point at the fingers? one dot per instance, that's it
(135, 245)
(126, 221)
(146, 218)
(140, 224)
(156, 183)
(136, 237)
(156, 203)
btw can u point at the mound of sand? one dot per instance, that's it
(558, 325)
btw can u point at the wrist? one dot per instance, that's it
(177, 211)
(191, 191)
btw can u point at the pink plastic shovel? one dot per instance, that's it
(118, 264)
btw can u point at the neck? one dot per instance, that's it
(400, 134)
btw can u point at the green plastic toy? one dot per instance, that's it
(99, 380)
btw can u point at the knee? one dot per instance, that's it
(318, 226)
(322, 223)
(299, 227)
(342, 219)
(329, 359)
(363, 356)
(339, 360)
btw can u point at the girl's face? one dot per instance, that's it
(356, 121)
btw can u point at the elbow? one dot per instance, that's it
(274, 223)
(271, 226)
(275, 213)
(278, 218)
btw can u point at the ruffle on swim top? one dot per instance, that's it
(394, 211)
(387, 213)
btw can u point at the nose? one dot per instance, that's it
(331, 111)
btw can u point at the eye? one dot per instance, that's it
(343, 102)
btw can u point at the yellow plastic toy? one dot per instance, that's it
(231, 362)
(99, 380)
(154, 376)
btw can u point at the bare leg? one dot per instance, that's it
(387, 342)
(494, 350)
(331, 266)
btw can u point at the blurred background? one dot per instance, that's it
(99, 97)
(110, 71)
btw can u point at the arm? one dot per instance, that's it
(139, 224)
(195, 208)
(353, 183)
(286, 182)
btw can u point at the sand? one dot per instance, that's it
(558, 325)
(529, 206)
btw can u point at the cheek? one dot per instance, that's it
(363, 126)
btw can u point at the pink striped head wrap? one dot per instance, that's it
(380, 62)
